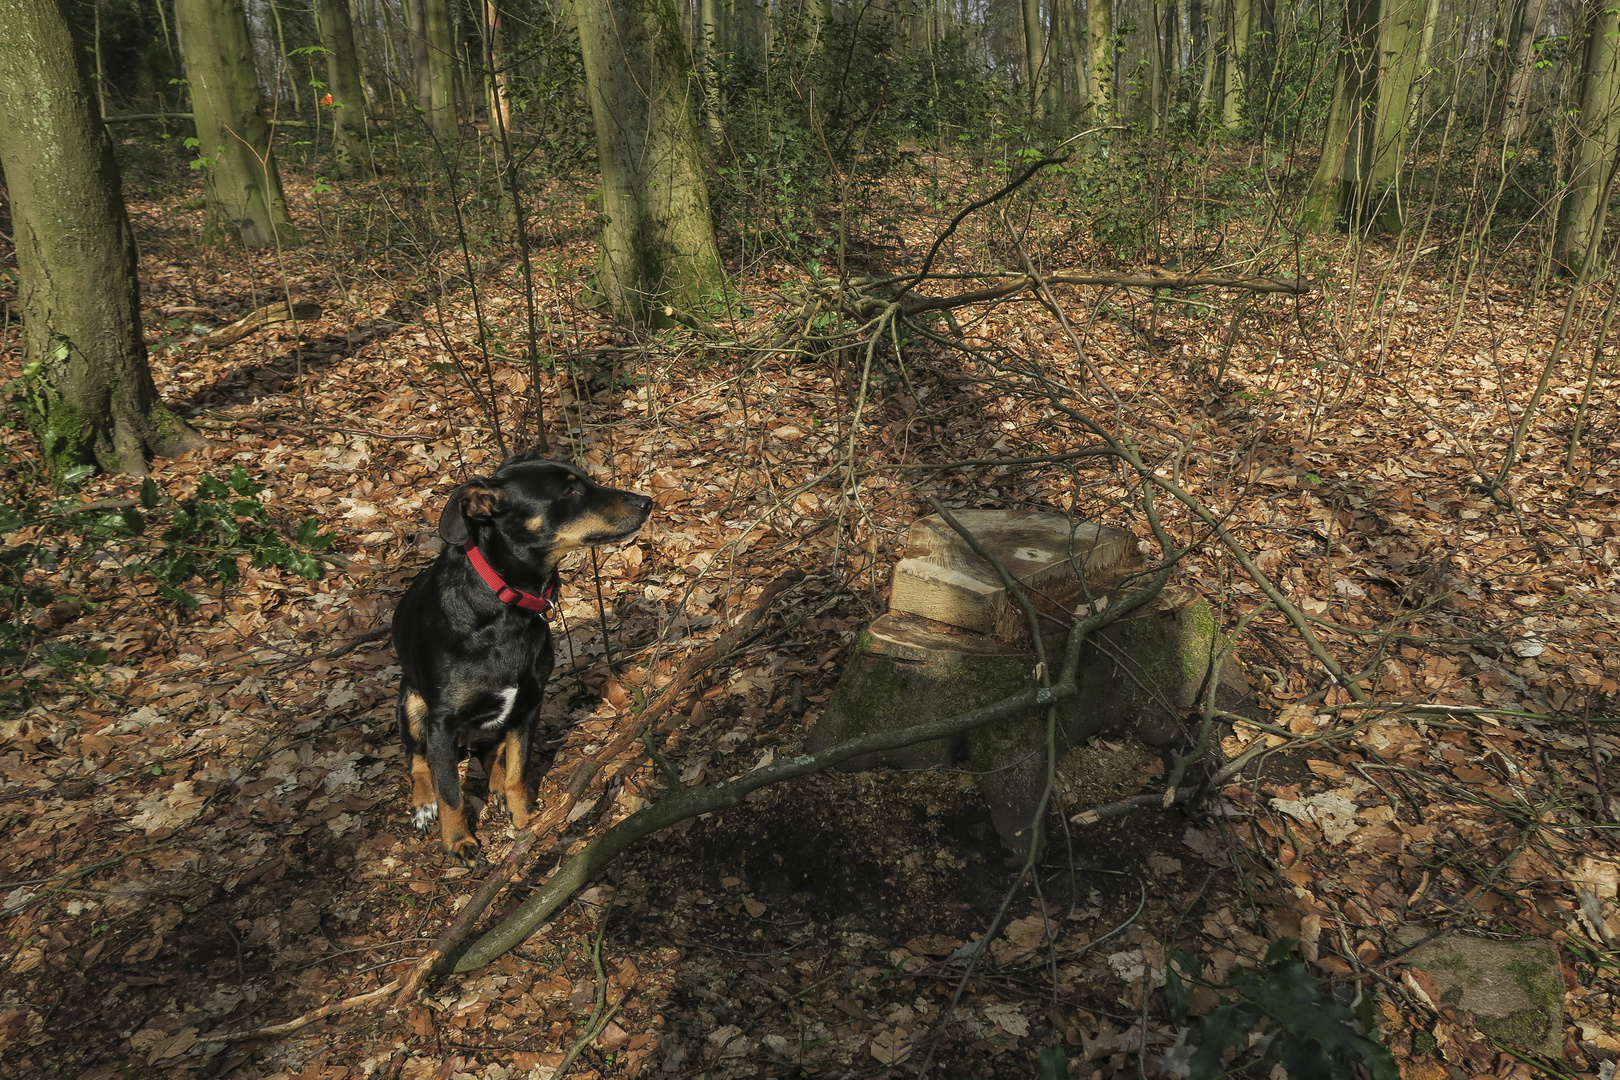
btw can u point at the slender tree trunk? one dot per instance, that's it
(343, 83)
(281, 60)
(1214, 39)
(1581, 213)
(709, 58)
(1075, 26)
(1052, 58)
(1521, 68)
(1034, 55)
(1240, 18)
(416, 19)
(243, 188)
(1100, 59)
(439, 59)
(1155, 64)
(1402, 34)
(88, 394)
(500, 108)
(658, 256)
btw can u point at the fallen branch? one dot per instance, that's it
(913, 304)
(695, 665)
(678, 806)
(346, 1005)
(462, 925)
(268, 315)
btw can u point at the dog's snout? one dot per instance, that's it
(640, 502)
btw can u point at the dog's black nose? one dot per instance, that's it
(640, 502)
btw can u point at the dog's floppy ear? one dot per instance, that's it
(476, 499)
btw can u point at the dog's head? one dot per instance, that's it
(542, 510)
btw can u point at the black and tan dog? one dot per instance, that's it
(474, 647)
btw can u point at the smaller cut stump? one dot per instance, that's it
(954, 640)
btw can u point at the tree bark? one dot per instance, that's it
(1581, 212)
(88, 393)
(1239, 16)
(709, 54)
(1521, 67)
(416, 22)
(658, 255)
(1035, 56)
(1100, 59)
(1402, 35)
(244, 198)
(1351, 119)
(349, 149)
(439, 44)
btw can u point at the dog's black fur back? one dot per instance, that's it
(473, 668)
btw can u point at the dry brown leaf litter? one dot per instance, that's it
(214, 841)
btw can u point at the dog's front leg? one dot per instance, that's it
(442, 762)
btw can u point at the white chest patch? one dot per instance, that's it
(508, 699)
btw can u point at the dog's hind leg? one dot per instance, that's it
(516, 750)
(494, 759)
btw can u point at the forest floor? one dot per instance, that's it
(208, 834)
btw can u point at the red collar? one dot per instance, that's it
(504, 592)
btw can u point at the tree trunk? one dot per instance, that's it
(88, 394)
(1214, 41)
(1581, 213)
(439, 46)
(657, 243)
(243, 188)
(1240, 14)
(1350, 118)
(1100, 59)
(1521, 68)
(1034, 55)
(343, 83)
(1075, 32)
(709, 56)
(1156, 44)
(417, 21)
(500, 107)
(1402, 31)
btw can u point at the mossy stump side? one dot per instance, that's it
(1142, 675)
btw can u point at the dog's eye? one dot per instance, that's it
(573, 491)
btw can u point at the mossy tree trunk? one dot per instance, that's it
(245, 202)
(89, 393)
(1350, 121)
(1581, 213)
(658, 255)
(1100, 59)
(349, 147)
(439, 43)
(1239, 14)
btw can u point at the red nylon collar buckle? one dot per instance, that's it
(504, 592)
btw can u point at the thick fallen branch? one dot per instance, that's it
(679, 806)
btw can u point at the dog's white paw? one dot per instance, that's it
(423, 816)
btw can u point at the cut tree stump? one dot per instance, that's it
(942, 580)
(1142, 675)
